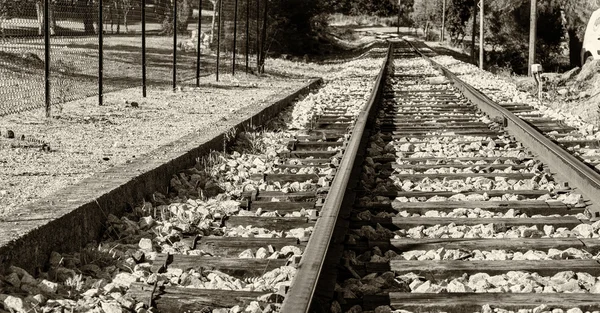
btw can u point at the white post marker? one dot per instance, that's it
(536, 71)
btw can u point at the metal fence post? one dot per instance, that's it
(174, 45)
(219, 38)
(198, 44)
(247, 32)
(235, 12)
(100, 52)
(257, 36)
(264, 39)
(47, 57)
(144, 48)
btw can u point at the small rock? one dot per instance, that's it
(585, 230)
(111, 307)
(146, 222)
(355, 309)
(428, 287)
(110, 288)
(335, 307)
(262, 253)
(40, 299)
(91, 293)
(246, 254)
(254, 307)
(271, 298)
(26, 278)
(145, 244)
(540, 309)
(14, 304)
(124, 280)
(383, 309)
(570, 73)
(574, 310)
(55, 258)
(127, 302)
(570, 286)
(48, 286)
(13, 279)
(456, 286)
(595, 288)
(486, 309)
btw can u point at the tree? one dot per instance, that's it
(293, 25)
(458, 15)
(374, 7)
(426, 13)
(127, 6)
(508, 30)
(184, 13)
(576, 15)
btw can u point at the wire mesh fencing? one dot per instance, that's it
(55, 51)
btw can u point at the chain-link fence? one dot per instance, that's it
(52, 51)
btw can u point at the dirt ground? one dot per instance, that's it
(86, 138)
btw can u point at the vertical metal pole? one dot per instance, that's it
(443, 20)
(100, 53)
(264, 38)
(257, 35)
(47, 57)
(247, 32)
(399, 13)
(481, 34)
(219, 39)
(473, 33)
(235, 12)
(174, 45)
(532, 34)
(144, 48)
(198, 44)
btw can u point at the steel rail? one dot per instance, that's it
(577, 173)
(300, 294)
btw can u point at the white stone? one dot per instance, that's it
(91, 292)
(246, 254)
(595, 288)
(14, 304)
(584, 230)
(111, 307)
(145, 244)
(456, 286)
(146, 222)
(428, 287)
(48, 286)
(124, 279)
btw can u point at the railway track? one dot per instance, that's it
(410, 193)
(460, 207)
(228, 234)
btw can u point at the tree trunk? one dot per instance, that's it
(39, 8)
(88, 16)
(212, 23)
(118, 9)
(125, 13)
(575, 46)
